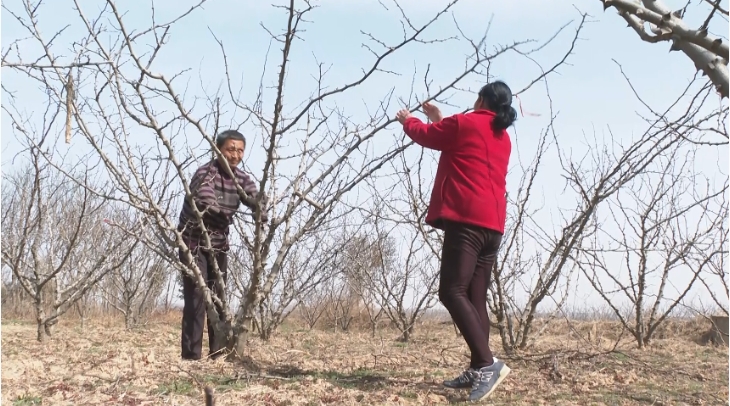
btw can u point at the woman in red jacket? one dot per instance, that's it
(469, 203)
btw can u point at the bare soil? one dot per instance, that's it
(572, 364)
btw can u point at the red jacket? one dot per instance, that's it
(470, 184)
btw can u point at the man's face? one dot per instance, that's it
(233, 152)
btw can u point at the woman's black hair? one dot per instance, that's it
(497, 97)
(229, 135)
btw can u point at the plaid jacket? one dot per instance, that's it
(215, 195)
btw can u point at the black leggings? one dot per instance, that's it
(467, 259)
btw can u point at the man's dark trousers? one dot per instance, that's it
(194, 312)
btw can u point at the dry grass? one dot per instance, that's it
(572, 365)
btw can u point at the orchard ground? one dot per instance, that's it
(573, 363)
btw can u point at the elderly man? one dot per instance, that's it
(215, 195)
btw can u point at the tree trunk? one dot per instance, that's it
(40, 316)
(407, 333)
(51, 321)
(128, 323)
(48, 325)
(265, 333)
(82, 315)
(639, 338)
(238, 338)
(223, 336)
(128, 316)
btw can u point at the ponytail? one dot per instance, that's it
(506, 116)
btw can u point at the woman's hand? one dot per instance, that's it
(403, 115)
(432, 112)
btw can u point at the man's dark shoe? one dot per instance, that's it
(485, 380)
(217, 354)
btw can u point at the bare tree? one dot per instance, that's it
(350, 294)
(170, 292)
(12, 293)
(514, 272)
(55, 240)
(134, 288)
(342, 304)
(15, 300)
(361, 258)
(310, 265)
(407, 287)
(661, 236)
(708, 52)
(395, 264)
(692, 114)
(344, 290)
(713, 258)
(87, 303)
(116, 89)
(547, 271)
(312, 307)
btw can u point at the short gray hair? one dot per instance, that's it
(229, 135)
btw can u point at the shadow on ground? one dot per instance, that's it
(363, 379)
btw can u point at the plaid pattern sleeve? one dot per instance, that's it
(215, 196)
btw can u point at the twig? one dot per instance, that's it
(209, 401)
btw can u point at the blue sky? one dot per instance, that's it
(590, 93)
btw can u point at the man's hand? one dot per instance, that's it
(432, 112)
(403, 115)
(263, 202)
